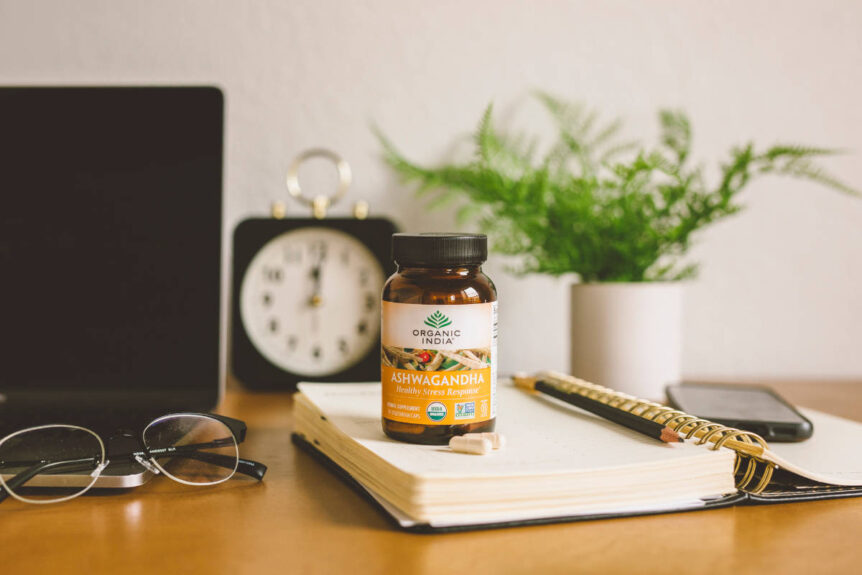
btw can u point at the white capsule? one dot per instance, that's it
(475, 445)
(498, 440)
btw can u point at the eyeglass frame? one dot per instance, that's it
(143, 457)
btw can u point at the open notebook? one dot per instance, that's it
(560, 464)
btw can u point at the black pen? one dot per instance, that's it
(613, 414)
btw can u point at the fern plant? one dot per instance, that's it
(605, 209)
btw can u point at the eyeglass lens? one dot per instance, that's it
(193, 449)
(66, 453)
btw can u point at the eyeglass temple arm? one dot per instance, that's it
(244, 466)
(192, 451)
(33, 471)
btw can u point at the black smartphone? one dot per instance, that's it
(754, 408)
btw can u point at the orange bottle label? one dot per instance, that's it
(439, 363)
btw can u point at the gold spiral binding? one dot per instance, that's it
(747, 445)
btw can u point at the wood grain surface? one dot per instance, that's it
(302, 519)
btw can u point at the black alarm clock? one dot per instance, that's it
(306, 291)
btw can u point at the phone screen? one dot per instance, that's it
(725, 403)
(748, 407)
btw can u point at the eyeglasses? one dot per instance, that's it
(191, 448)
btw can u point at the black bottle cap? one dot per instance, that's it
(439, 249)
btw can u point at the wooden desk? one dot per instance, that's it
(301, 519)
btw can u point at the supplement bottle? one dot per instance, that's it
(439, 339)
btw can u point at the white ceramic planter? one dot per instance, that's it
(628, 336)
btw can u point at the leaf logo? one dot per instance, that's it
(437, 320)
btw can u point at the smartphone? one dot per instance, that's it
(754, 408)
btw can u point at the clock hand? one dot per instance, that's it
(317, 296)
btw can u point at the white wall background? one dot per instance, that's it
(780, 293)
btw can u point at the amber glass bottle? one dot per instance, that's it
(439, 339)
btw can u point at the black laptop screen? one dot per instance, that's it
(110, 238)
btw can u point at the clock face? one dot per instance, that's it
(310, 301)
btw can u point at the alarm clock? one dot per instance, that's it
(306, 291)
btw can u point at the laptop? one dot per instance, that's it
(110, 258)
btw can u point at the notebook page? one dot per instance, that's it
(544, 437)
(833, 454)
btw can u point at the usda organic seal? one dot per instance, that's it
(436, 411)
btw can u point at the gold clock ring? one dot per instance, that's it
(344, 176)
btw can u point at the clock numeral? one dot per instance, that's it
(370, 300)
(291, 343)
(274, 275)
(364, 276)
(362, 328)
(267, 299)
(316, 352)
(342, 346)
(273, 325)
